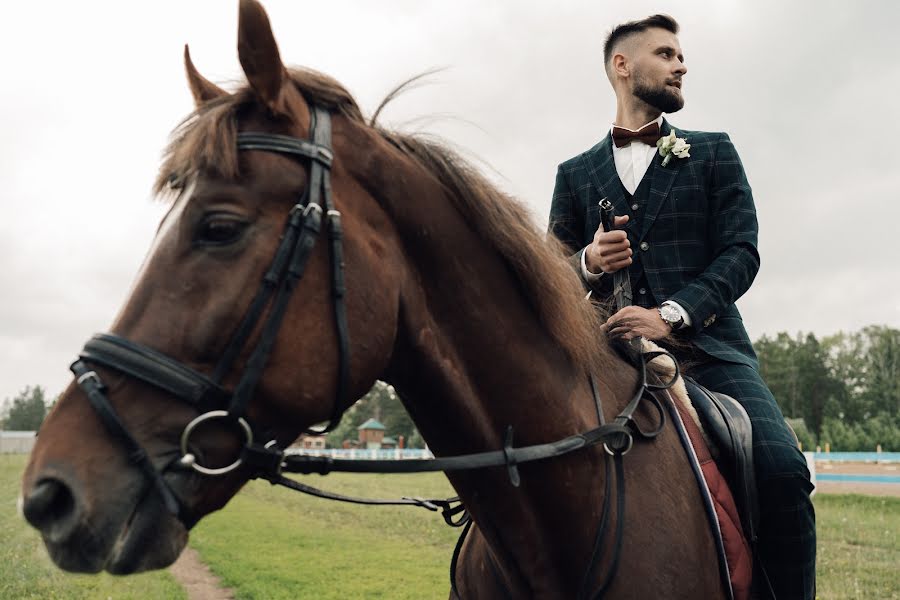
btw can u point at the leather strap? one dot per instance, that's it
(150, 366)
(94, 389)
(317, 150)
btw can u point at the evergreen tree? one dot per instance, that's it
(26, 411)
(797, 372)
(882, 365)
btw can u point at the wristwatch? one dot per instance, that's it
(671, 315)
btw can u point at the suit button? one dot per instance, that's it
(634, 206)
(642, 291)
(645, 246)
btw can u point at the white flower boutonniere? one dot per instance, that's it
(671, 145)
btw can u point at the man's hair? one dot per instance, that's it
(620, 32)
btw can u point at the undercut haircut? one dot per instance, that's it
(625, 30)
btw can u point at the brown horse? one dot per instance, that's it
(451, 295)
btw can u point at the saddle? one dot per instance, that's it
(727, 424)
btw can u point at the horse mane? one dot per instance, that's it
(206, 142)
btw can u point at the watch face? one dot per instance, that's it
(670, 313)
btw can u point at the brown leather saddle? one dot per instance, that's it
(728, 426)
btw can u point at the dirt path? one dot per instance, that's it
(198, 581)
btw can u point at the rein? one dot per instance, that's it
(265, 459)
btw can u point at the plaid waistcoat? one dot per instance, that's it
(642, 292)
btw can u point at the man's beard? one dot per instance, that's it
(660, 98)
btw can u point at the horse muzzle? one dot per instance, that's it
(136, 533)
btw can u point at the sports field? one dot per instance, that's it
(273, 543)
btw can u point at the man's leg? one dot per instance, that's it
(787, 529)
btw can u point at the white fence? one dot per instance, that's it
(17, 442)
(365, 454)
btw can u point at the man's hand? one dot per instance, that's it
(610, 250)
(633, 321)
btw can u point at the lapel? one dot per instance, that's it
(661, 182)
(599, 163)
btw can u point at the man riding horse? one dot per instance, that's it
(687, 235)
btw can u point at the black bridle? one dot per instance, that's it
(263, 457)
(203, 392)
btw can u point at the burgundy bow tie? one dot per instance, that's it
(647, 134)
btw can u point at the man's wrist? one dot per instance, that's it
(585, 272)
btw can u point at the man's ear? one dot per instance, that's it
(620, 65)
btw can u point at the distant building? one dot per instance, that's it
(371, 434)
(309, 442)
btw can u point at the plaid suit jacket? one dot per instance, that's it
(697, 237)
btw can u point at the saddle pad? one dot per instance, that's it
(735, 559)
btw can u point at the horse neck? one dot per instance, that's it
(472, 356)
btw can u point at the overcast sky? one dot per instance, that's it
(90, 91)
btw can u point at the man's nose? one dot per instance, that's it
(681, 68)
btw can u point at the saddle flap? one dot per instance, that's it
(728, 425)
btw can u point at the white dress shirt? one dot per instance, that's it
(632, 162)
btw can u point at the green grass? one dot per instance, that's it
(27, 572)
(859, 547)
(272, 543)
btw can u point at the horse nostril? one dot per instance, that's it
(50, 507)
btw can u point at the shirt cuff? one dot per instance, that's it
(685, 318)
(588, 276)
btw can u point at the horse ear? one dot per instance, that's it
(202, 89)
(259, 56)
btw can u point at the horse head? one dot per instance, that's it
(211, 254)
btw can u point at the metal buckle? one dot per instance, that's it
(618, 451)
(325, 153)
(312, 206)
(189, 460)
(89, 375)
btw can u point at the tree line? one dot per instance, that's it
(842, 390)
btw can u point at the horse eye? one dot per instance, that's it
(217, 230)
